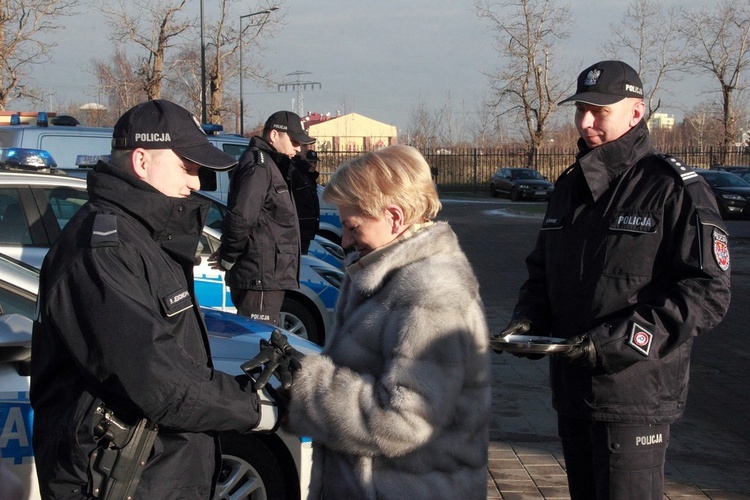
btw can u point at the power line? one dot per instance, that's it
(299, 86)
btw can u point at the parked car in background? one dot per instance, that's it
(520, 183)
(731, 192)
(68, 144)
(254, 466)
(733, 169)
(34, 207)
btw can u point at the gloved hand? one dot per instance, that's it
(518, 326)
(584, 352)
(290, 364)
(264, 363)
(277, 358)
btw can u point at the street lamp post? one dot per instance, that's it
(242, 100)
(203, 71)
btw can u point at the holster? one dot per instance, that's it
(115, 466)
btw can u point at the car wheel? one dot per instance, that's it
(493, 191)
(296, 318)
(514, 194)
(249, 470)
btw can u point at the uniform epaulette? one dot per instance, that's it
(568, 170)
(260, 158)
(686, 172)
(104, 231)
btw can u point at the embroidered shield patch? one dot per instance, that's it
(721, 250)
(640, 339)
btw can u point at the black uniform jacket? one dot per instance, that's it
(260, 235)
(633, 252)
(302, 181)
(117, 322)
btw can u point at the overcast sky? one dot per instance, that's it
(376, 58)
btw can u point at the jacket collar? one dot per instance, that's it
(604, 163)
(260, 143)
(174, 223)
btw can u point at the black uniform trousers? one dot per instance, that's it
(261, 305)
(613, 461)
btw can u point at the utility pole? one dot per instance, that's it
(299, 86)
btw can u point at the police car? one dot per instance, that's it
(34, 207)
(254, 466)
(75, 146)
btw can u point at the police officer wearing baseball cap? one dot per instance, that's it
(118, 326)
(260, 242)
(637, 236)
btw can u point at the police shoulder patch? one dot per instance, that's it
(640, 339)
(686, 172)
(721, 249)
(104, 231)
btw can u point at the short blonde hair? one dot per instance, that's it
(395, 175)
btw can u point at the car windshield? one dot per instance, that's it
(727, 180)
(525, 174)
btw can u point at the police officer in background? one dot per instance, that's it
(631, 264)
(260, 243)
(303, 182)
(119, 338)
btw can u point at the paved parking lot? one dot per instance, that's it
(709, 454)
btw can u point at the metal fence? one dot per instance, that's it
(469, 170)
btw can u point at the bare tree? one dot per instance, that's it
(702, 123)
(23, 25)
(424, 126)
(486, 127)
(527, 87)
(224, 63)
(153, 25)
(649, 35)
(717, 40)
(117, 80)
(223, 39)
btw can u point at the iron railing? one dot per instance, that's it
(469, 169)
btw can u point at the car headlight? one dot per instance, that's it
(333, 249)
(734, 197)
(523, 186)
(334, 277)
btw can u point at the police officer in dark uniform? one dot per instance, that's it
(631, 264)
(260, 242)
(119, 338)
(303, 182)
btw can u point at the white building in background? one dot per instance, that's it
(661, 121)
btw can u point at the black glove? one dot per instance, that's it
(278, 358)
(517, 327)
(290, 364)
(265, 363)
(584, 352)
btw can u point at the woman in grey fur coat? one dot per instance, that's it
(398, 402)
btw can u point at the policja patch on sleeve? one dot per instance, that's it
(640, 339)
(721, 249)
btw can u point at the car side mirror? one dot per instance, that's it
(208, 179)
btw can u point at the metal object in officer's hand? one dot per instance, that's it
(531, 344)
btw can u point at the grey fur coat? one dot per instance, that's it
(398, 402)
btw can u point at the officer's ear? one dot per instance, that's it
(637, 112)
(139, 162)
